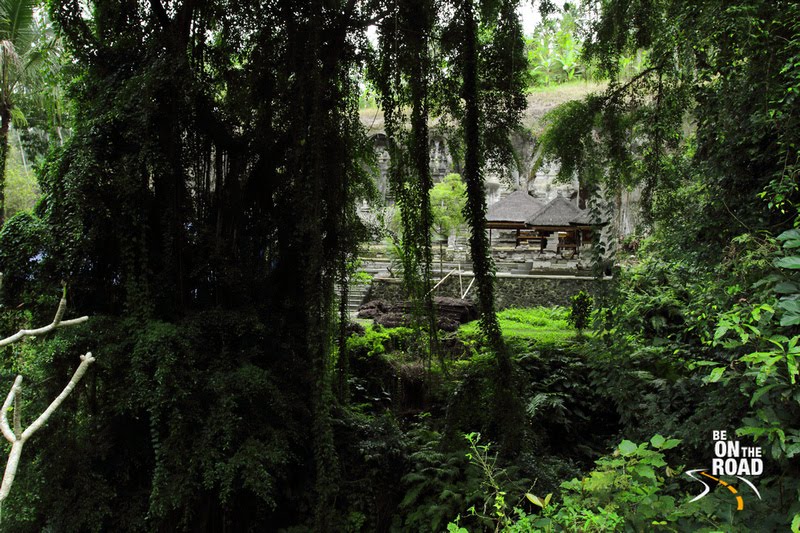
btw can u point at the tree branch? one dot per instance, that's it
(86, 360)
(621, 89)
(6, 429)
(17, 437)
(160, 13)
(18, 441)
(56, 323)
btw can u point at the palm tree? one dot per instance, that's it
(17, 34)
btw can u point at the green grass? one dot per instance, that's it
(366, 322)
(576, 87)
(376, 341)
(543, 325)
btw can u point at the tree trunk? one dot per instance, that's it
(420, 144)
(505, 406)
(483, 266)
(5, 122)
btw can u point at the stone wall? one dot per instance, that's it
(511, 290)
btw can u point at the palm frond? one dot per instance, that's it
(17, 23)
(8, 54)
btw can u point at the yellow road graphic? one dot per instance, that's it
(739, 500)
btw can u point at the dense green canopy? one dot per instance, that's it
(203, 212)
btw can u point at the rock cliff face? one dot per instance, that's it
(539, 181)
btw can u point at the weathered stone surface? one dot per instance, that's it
(354, 328)
(447, 324)
(461, 311)
(451, 312)
(393, 319)
(509, 291)
(373, 308)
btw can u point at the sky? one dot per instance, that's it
(529, 13)
(530, 16)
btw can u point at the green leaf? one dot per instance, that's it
(671, 443)
(787, 287)
(720, 332)
(455, 528)
(644, 470)
(715, 375)
(627, 447)
(18, 118)
(791, 366)
(792, 450)
(535, 500)
(789, 235)
(792, 306)
(790, 319)
(796, 523)
(657, 441)
(761, 392)
(791, 261)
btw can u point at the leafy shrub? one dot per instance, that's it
(438, 485)
(497, 490)
(377, 340)
(580, 311)
(762, 336)
(23, 242)
(631, 484)
(633, 489)
(173, 414)
(563, 405)
(373, 457)
(521, 327)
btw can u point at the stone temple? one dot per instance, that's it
(517, 194)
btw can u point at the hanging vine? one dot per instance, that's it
(484, 45)
(403, 73)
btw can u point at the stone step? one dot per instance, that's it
(357, 292)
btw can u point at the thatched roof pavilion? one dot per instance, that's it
(535, 221)
(513, 211)
(559, 214)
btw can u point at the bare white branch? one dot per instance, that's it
(18, 441)
(11, 469)
(17, 414)
(17, 437)
(86, 360)
(56, 323)
(7, 433)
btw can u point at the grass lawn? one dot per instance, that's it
(536, 327)
(543, 325)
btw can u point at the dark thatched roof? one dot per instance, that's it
(583, 219)
(518, 206)
(560, 211)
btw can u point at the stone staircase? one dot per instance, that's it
(356, 294)
(511, 261)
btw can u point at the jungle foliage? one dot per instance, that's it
(700, 330)
(202, 210)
